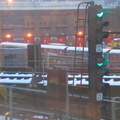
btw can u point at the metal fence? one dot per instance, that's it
(21, 103)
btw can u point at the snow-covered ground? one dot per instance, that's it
(113, 80)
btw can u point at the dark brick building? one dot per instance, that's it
(52, 23)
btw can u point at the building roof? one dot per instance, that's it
(45, 5)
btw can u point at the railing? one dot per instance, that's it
(115, 107)
(28, 103)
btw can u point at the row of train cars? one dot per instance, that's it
(15, 55)
(54, 55)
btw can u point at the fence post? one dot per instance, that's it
(10, 103)
(67, 98)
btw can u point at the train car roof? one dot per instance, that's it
(58, 44)
(115, 51)
(85, 49)
(12, 44)
(59, 47)
(53, 46)
(78, 48)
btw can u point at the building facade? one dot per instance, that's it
(51, 24)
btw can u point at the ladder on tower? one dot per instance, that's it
(81, 27)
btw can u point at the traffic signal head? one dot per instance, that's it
(102, 12)
(102, 61)
(100, 34)
(96, 24)
(101, 24)
(99, 62)
(102, 64)
(96, 34)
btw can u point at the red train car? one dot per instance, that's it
(80, 42)
(29, 38)
(8, 38)
(61, 39)
(45, 39)
(70, 40)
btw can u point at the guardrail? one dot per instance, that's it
(26, 103)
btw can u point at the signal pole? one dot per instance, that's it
(96, 64)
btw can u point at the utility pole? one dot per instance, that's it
(96, 63)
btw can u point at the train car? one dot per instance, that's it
(55, 55)
(16, 54)
(53, 48)
(79, 58)
(13, 54)
(114, 57)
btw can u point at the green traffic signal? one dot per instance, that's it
(104, 62)
(100, 14)
(99, 64)
(103, 12)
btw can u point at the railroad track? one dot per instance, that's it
(25, 78)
